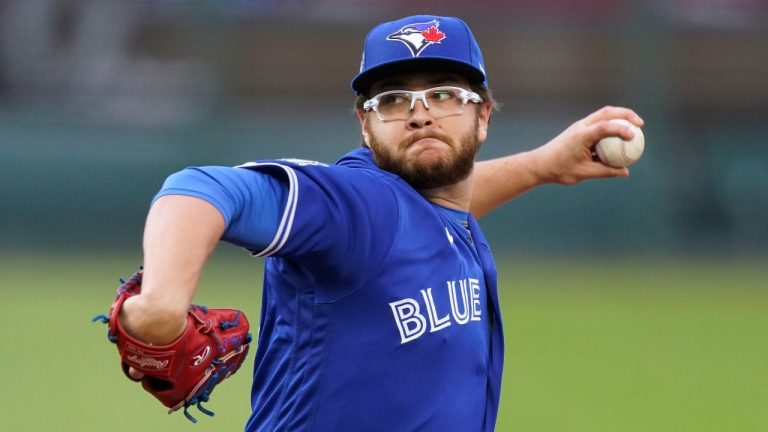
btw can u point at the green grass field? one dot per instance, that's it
(627, 345)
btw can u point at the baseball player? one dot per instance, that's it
(380, 309)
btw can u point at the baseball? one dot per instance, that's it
(615, 152)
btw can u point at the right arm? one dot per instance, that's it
(566, 159)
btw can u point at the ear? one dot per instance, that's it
(362, 116)
(483, 120)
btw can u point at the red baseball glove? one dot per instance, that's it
(184, 372)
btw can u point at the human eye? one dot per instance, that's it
(392, 99)
(442, 95)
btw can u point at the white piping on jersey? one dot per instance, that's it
(286, 223)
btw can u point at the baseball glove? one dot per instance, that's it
(184, 372)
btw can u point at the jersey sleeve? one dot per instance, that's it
(250, 202)
(335, 219)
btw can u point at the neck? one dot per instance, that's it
(457, 196)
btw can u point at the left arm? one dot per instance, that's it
(566, 159)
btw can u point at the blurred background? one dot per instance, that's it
(100, 100)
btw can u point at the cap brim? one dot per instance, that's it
(363, 81)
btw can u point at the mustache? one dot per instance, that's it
(421, 135)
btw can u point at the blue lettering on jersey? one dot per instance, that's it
(411, 322)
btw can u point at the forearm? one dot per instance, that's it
(497, 181)
(566, 159)
(180, 234)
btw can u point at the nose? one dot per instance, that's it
(420, 116)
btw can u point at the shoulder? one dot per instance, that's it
(356, 169)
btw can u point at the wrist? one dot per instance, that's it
(540, 172)
(150, 322)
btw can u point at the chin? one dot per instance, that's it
(431, 156)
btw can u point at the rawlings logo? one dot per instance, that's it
(147, 362)
(202, 356)
(418, 36)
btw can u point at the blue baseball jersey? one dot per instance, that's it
(379, 309)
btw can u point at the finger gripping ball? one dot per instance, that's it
(616, 152)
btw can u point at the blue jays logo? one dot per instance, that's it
(418, 36)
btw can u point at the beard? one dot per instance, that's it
(449, 169)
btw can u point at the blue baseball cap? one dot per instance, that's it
(420, 43)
